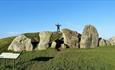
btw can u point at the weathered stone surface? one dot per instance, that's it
(53, 45)
(21, 43)
(108, 43)
(63, 46)
(112, 41)
(89, 38)
(44, 40)
(102, 42)
(56, 36)
(71, 38)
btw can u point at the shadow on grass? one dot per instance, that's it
(42, 58)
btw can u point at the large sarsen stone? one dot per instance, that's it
(44, 40)
(21, 43)
(71, 38)
(89, 38)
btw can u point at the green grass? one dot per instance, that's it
(5, 42)
(102, 58)
(33, 36)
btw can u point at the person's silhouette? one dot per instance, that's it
(58, 27)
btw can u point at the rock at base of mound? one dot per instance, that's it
(108, 43)
(89, 38)
(53, 45)
(63, 46)
(102, 42)
(112, 41)
(21, 43)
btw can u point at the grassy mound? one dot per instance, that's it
(56, 36)
(33, 36)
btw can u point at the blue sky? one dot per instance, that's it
(20, 16)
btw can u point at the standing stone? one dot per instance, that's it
(21, 43)
(112, 41)
(53, 45)
(89, 38)
(71, 38)
(44, 40)
(63, 46)
(108, 43)
(102, 42)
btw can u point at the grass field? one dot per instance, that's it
(102, 58)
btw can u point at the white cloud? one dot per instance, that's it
(8, 34)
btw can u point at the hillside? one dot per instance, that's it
(5, 42)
